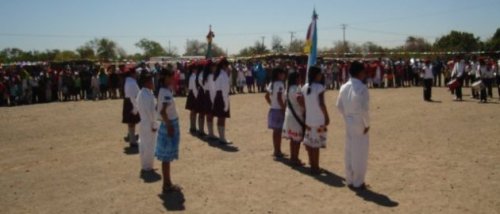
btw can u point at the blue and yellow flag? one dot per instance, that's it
(311, 46)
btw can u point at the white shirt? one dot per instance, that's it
(484, 72)
(210, 87)
(131, 90)
(428, 74)
(458, 69)
(278, 87)
(353, 101)
(147, 107)
(165, 97)
(222, 84)
(192, 85)
(292, 94)
(314, 114)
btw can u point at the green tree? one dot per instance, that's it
(86, 52)
(66, 55)
(493, 44)
(370, 47)
(257, 49)
(339, 47)
(198, 48)
(277, 44)
(458, 41)
(104, 49)
(151, 48)
(417, 44)
(296, 46)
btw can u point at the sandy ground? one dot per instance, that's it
(438, 157)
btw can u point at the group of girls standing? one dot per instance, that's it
(209, 87)
(298, 114)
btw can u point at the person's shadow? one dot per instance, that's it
(326, 177)
(223, 147)
(131, 150)
(377, 198)
(150, 176)
(173, 201)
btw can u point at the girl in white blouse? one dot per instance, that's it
(317, 118)
(275, 97)
(293, 127)
(221, 98)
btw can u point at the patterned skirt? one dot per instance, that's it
(167, 147)
(315, 137)
(292, 129)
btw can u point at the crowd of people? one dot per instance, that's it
(21, 85)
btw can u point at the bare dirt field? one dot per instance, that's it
(441, 157)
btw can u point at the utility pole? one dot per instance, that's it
(169, 50)
(344, 26)
(263, 39)
(291, 37)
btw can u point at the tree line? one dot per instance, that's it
(104, 49)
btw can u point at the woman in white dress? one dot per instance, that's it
(293, 127)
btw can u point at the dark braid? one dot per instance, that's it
(313, 72)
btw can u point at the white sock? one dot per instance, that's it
(222, 130)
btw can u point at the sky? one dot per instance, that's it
(67, 24)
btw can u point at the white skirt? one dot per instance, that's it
(292, 129)
(315, 137)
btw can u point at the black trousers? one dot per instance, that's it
(437, 80)
(488, 84)
(458, 91)
(498, 84)
(428, 89)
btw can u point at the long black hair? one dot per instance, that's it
(293, 79)
(220, 65)
(275, 75)
(206, 71)
(313, 72)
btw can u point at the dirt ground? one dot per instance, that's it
(441, 157)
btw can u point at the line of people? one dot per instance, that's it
(159, 133)
(298, 113)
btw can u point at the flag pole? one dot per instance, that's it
(311, 46)
(210, 37)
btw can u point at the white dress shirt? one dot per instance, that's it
(353, 101)
(147, 108)
(166, 97)
(314, 114)
(192, 85)
(131, 90)
(277, 87)
(222, 84)
(210, 87)
(458, 69)
(428, 74)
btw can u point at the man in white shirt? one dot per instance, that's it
(428, 76)
(458, 72)
(130, 113)
(353, 104)
(147, 133)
